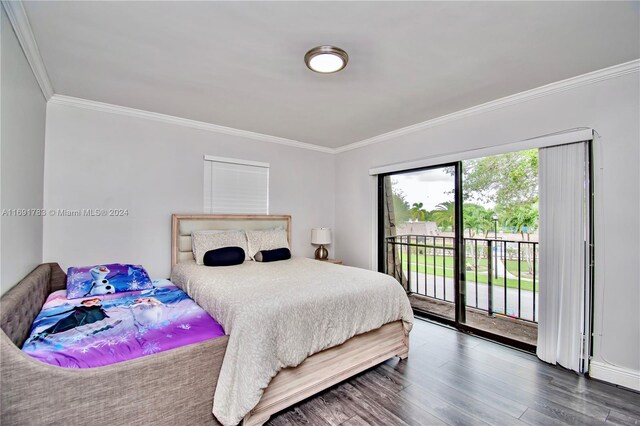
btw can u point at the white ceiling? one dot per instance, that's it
(240, 64)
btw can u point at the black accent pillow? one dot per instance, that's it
(273, 255)
(225, 256)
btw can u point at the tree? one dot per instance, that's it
(476, 219)
(508, 181)
(504, 179)
(444, 215)
(400, 206)
(523, 218)
(417, 212)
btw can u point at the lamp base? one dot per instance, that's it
(322, 253)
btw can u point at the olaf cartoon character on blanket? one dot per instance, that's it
(100, 283)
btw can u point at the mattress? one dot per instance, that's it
(117, 327)
(279, 313)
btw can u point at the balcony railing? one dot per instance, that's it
(501, 276)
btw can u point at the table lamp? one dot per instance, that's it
(321, 236)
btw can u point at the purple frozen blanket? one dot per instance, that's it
(102, 330)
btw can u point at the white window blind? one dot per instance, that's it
(235, 186)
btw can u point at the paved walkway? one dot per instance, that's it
(444, 290)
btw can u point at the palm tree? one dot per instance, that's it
(444, 215)
(476, 218)
(417, 212)
(524, 219)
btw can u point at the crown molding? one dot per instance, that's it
(170, 119)
(549, 89)
(20, 23)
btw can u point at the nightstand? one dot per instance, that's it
(334, 261)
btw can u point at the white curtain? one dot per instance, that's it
(563, 186)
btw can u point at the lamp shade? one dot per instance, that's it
(320, 236)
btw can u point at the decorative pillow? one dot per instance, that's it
(110, 278)
(273, 255)
(203, 241)
(225, 256)
(266, 240)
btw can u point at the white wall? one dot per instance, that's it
(101, 160)
(612, 107)
(22, 160)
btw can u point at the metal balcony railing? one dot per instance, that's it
(501, 276)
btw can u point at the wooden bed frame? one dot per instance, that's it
(317, 372)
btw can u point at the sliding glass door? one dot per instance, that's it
(462, 240)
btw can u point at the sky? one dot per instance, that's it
(430, 187)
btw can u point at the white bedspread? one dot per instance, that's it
(279, 313)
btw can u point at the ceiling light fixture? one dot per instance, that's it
(326, 59)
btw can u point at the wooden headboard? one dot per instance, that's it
(183, 224)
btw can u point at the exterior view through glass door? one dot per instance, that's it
(462, 240)
(419, 236)
(500, 267)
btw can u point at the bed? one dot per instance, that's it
(283, 345)
(125, 326)
(165, 388)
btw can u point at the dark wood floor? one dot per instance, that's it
(454, 379)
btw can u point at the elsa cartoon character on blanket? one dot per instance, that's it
(147, 312)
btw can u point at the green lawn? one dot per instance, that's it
(469, 275)
(512, 265)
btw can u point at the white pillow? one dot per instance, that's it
(193, 244)
(203, 241)
(266, 240)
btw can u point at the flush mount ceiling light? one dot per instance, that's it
(326, 59)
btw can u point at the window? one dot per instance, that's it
(235, 186)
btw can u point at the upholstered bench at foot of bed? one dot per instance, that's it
(168, 388)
